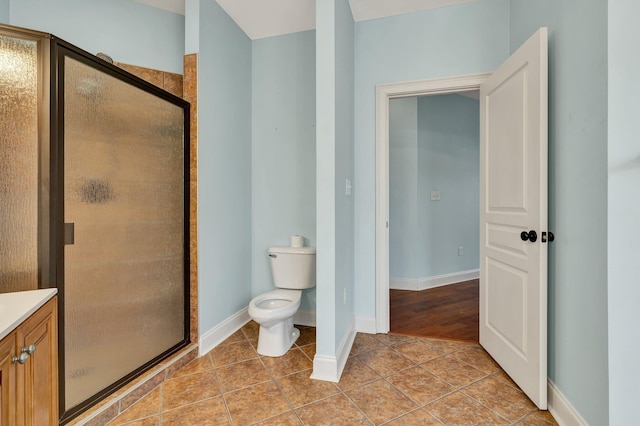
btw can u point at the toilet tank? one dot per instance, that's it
(293, 267)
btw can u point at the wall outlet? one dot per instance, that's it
(435, 195)
(460, 251)
(347, 187)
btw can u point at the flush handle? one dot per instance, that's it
(273, 255)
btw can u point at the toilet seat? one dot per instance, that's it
(274, 306)
(274, 312)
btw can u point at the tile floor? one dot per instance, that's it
(388, 380)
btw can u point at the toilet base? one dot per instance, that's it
(277, 340)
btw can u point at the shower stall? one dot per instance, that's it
(94, 182)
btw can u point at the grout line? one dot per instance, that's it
(224, 400)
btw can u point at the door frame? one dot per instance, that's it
(385, 92)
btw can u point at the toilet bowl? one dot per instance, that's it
(293, 269)
(274, 312)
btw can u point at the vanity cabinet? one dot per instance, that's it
(29, 371)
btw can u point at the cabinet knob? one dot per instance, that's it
(22, 358)
(30, 349)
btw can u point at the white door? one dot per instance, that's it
(513, 200)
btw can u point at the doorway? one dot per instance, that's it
(384, 94)
(434, 215)
(513, 208)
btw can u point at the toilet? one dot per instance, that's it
(293, 270)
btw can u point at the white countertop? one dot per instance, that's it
(18, 306)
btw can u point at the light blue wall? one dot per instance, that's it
(224, 166)
(283, 150)
(4, 11)
(334, 164)
(129, 32)
(403, 187)
(344, 109)
(325, 179)
(433, 146)
(191, 26)
(448, 161)
(577, 194)
(462, 39)
(623, 211)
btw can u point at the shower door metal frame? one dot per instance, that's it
(59, 50)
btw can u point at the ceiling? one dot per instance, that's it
(267, 18)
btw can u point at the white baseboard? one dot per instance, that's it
(561, 409)
(220, 332)
(418, 284)
(366, 325)
(307, 318)
(329, 368)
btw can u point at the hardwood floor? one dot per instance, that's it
(447, 312)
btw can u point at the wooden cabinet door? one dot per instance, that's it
(41, 369)
(8, 402)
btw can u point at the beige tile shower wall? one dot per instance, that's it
(170, 82)
(191, 96)
(187, 88)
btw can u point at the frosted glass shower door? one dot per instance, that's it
(124, 264)
(18, 164)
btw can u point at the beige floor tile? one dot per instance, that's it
(478, 358)
(538, 418)
(356, 374)
(333, 411)
(197, 365)
(391, 339)
(293, 361)
(459, 409)
(453, 371)
(256, 403)
(307, 336)
(188, 389)
(309, 350)
(365, 343)
(251, 330)
(417, 350)
(385, 361)
(148, 421)
(210, 412)
(499, 396)
(448, 346)
(301, 390)
(254, 343)
(264, 390)
(147, 406)
(501, 375)
(286, 419)
(232, 353)
(241, 374)
(414, 418)
(380, 401)
(236, 337)
(420, 385)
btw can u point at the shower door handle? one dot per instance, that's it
(69, 234)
